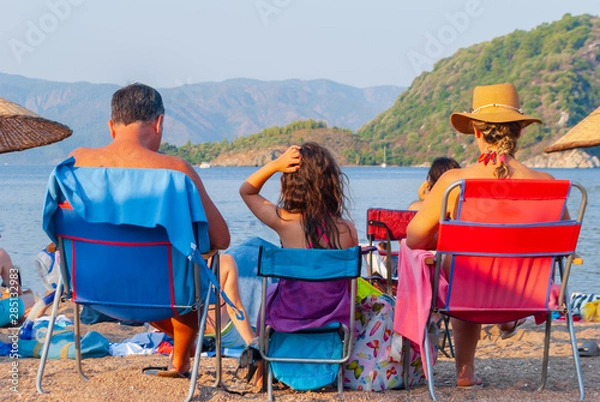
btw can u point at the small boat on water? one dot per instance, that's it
(384, 164)
(204, 165)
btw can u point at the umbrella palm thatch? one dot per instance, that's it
(585, 134)
(22, 129)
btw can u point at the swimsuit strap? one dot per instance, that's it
(321, 232)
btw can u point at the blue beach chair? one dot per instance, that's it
(132, 244)
(314, 357)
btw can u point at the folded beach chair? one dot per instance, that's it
(312, 356)
(506, 246)
(131, 242)
(386, 225)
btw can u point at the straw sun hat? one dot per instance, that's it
(584, 135)
(492, 104)
(22, 129)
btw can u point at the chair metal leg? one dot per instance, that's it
(569, 321)
(201, 325)
(46, 348)
(269, 381)
(546, 352)
(78, 340)
(340, 381)
(405, 362)
(429, 364)
(218, 348)
(447, 337)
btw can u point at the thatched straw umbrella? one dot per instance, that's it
(22, 129)
(585, 134)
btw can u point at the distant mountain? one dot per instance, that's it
(196, 113)
(555, 67)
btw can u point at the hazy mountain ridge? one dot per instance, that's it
(197, 113)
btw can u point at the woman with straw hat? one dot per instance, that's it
(497, 121)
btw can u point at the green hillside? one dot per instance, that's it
(347, 146)
(555, 68)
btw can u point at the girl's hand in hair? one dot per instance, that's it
(289, 161)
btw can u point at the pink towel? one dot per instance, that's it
(413, 299)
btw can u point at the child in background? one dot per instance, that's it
(438, 167)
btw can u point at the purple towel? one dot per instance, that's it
(293, 305)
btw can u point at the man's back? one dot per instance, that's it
(136, 126)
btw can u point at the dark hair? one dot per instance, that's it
(316, 191)
(136, 102)
(504, 136)
(437, 169)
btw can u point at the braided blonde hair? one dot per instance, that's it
(504, 137)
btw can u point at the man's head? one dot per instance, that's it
(136, 102)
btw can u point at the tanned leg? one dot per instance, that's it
(466, 336)
(184, 331)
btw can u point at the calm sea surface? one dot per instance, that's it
(22, 192)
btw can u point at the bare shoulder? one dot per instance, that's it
(450, 176)
(87, 156)
(79, 152)
(349, 233)
(544, 175)
(176, 163)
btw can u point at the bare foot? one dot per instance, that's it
(184, 367)
(257, 380)
(466, 377)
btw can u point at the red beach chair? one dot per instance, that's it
(386, 225)
(506, 246)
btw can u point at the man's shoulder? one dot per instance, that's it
(173, 162)
(85, 156)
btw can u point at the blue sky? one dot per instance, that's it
(167, 44)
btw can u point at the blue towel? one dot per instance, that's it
(150, 340)
(62, 345)
(93, 344)
(105, 195)
(5, 348)
(250, 284)
(127, 196)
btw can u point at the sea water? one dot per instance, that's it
(22, 190)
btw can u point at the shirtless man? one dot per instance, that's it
(136, 126)
(496, 122)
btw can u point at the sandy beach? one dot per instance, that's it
(510, 370)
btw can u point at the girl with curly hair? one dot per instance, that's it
(311, 213)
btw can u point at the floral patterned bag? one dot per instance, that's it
(376, 360)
